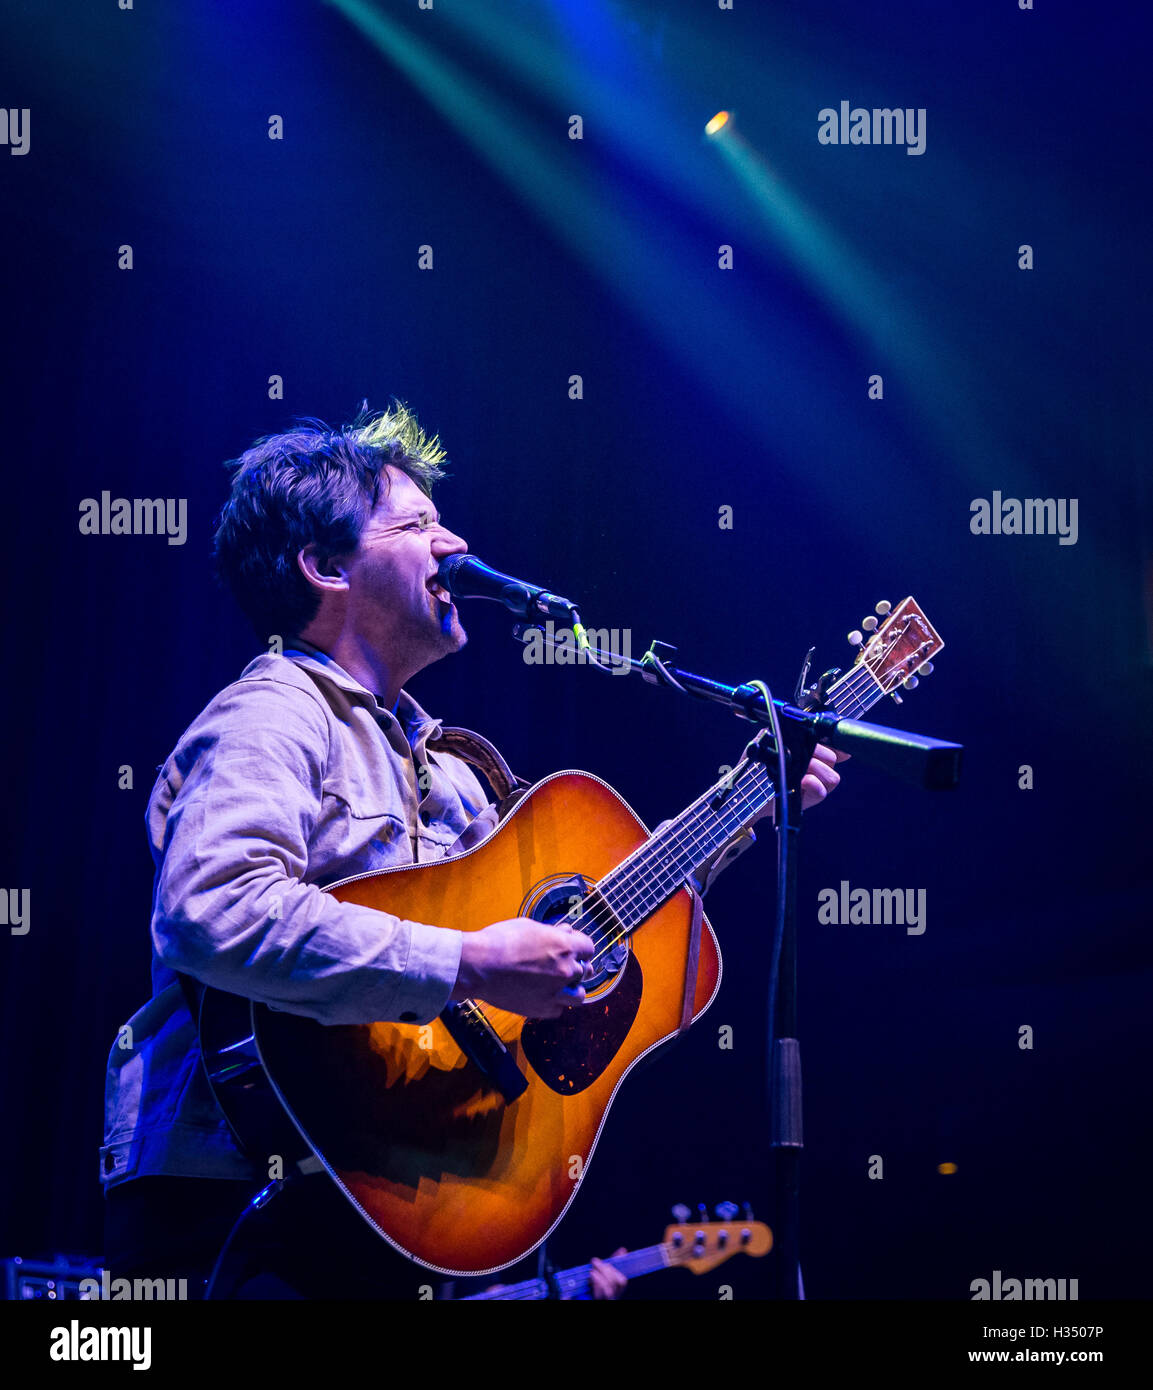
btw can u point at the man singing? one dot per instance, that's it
(314, 765)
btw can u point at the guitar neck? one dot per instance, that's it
(653, 873)
(854, 693)
(576, 1282)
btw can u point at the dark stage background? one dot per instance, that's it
(703, 388)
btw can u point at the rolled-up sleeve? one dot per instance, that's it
(232, 905)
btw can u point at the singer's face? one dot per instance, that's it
(390, 574)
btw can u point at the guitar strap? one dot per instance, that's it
(693, 956)
(509, 788)
(470, 747)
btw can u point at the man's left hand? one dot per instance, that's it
(606, 1281)
(821, 777)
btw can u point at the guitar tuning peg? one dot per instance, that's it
(855, 638)
(726, 1210)
(883, 608)
(897, 699)
(926, 669)
(702, 1213)
(910, 682)
(747, 1208)
(870, 624)
(681, 1213)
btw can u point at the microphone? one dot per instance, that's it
(464, 576)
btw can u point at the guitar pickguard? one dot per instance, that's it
(570, 1052)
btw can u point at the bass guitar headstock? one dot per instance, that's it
(706, 1244)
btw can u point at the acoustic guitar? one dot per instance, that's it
(699, 1248)
(464, 1141)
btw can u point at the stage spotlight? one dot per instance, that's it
(946, 1169)
(718, 123)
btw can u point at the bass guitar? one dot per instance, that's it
(699, 1248)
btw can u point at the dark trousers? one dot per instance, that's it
(309, 1242)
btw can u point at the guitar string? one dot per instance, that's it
(630, 882)
(633, 885)
(861, 670)
(855, 684)
(748, 795)
(635, 888)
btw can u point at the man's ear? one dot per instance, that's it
(323, 571)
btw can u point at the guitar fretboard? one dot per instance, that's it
(574, 1283)
(653, 873)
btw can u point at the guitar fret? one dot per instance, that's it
(653, 873)
(658, 869)
(702, 839)
(851, 689)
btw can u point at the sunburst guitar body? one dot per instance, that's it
(426, 1146)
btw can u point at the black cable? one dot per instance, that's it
(262, 1198)
(782, 875)
(779, 917)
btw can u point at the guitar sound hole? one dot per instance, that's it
(572, 901)
(570, 1052)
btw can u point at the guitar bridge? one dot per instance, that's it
(481, 1044)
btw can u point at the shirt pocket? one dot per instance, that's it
(361, 826)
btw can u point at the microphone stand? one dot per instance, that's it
(929, 762)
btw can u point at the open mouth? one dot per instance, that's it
(440, 593)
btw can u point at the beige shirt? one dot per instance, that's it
(293, 777)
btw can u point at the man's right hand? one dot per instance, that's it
(525, 967)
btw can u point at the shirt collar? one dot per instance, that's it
(412, 718)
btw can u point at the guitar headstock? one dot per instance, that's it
(895, 648)
(703, 1246)
(899, 647)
